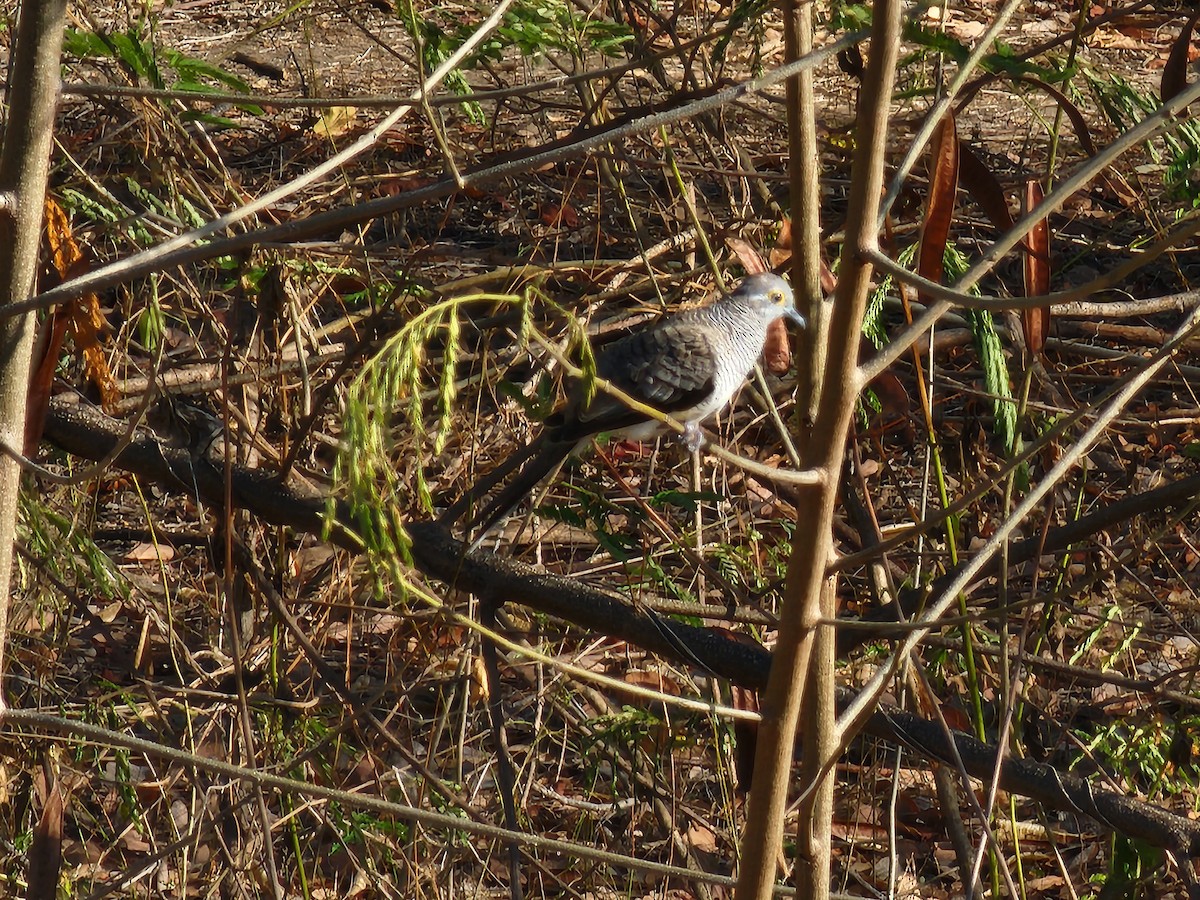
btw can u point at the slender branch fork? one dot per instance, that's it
(812, 548)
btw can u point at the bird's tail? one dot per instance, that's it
(537, 461)
(481, 488)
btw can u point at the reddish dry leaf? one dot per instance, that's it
(956, 718)
(558, 215)
(45, 853)
(1036, 322)
(983, 186)
(777, 350)
(782, 251)
(64, 254)
(1175, 72)
(41, 379)
(750, 259)
(939, 214)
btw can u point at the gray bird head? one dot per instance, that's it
(769, 295)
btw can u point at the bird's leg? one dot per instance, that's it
(692, 437)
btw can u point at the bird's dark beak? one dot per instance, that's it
(795, 315)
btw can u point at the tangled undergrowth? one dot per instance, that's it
(390, 362)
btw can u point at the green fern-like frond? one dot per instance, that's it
(399, 384)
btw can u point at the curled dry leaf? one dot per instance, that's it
(82, 319)
(750, 259)
(777, 350)
(147, 552)
(939, 212)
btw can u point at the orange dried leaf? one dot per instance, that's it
(777, 350)
(939, 213)
(1175, 72)
(86, 324)
(782, 251)
(746, 255)
(1036, 322)
(63, 250)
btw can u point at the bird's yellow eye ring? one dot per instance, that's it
(776, 296)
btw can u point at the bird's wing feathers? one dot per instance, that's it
(671, 368)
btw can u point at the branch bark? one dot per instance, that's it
(24, 171)
(816, 660)
(800, 625)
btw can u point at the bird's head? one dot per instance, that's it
(769, 295)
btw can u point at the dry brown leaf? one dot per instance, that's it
(701, 838)
(85, 321)
(109, 614)
(777, 349)
(45, 854)
(148, 552)
(750, 259)
(479, 682)
(560, 215)
(782, 251)
(1036, 321)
